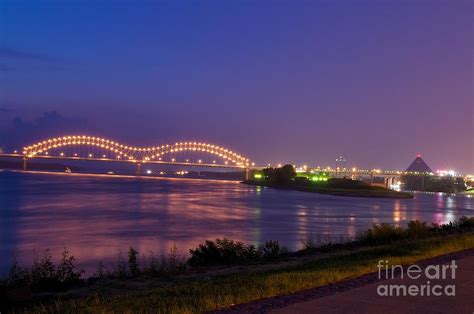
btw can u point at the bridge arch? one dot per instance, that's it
(135, 153)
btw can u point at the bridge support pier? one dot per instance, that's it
(247, 174)
(25, 163)
(139, 166)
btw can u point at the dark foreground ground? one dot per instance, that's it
(330, 267)
(359, 295)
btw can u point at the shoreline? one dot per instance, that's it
(210, 286)
(337, 191)
(282, 301)
(116, 176)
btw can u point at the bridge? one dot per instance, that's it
(106, 150)
(92, 148)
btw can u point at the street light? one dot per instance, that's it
(340, 163)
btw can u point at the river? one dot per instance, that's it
(96, 216)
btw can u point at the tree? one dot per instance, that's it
(282, 175)
(286, 174)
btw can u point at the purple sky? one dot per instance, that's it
(278, 81)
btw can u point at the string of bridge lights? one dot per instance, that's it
(137, 154)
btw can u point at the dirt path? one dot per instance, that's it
(359, 295)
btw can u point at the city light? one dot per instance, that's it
(443, 173)
(139, 153)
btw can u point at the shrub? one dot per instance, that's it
(18, 276)
(101, 271)
(171, 263)
(317, 242)
(152, 266)
(465, 222)
(44, 274)
(381, 233)
(43, 271)
(223, 252)
(174, 263)
(417, 229)
(132, 261)
(121, 266)
(282, 175)
(271, 249)
(228, 252)
(66, 270)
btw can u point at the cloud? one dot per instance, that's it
(19, 132)
(6, 68)
(5, 110)
(10, 53)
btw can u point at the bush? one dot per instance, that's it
(381, 233)
(229, 252)
(318, 243)
(172, 263)
(283, 175)
(44, 275)
(465, 222)
(120, 266)
(66, 270)
(101, 271)
(219, 252)
(270, 250)
(43, 271)
(417, 229)
(18, 276)
(132, 261)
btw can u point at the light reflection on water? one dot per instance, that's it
(96, 216)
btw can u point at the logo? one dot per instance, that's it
(408, 283)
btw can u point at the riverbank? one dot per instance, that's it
(362, 293)
(355, 191)
(203, 285)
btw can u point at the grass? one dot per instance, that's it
(216, 292)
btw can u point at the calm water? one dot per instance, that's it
(96, 216)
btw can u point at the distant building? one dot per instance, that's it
(419, 165)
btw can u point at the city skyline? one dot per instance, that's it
(377, 83)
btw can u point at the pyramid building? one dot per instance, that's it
(419, 165)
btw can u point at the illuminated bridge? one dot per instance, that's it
(101, 149)
(189, 153)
